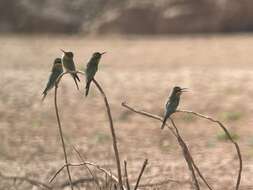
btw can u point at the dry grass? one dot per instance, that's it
(217, 69)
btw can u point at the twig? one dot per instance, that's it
(142, 170)
(82, 160)
(82, 164)
(60, 128)
(229, 137)
(116, 152)
(188, 155)
(124, 104)
(185, 151)
(31, 181)
(126, 175)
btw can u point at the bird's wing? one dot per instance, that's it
(90, 72)
(70, 65)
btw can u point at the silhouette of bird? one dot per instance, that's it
(91, 69)
(172, 103)
(57, 70)
(69, 65)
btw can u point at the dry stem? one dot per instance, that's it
(60, 128)
(179, 138)
(142, 170)
(114, 139)
(187, 155)
(126, 175)
(83, 164)
(229, 137)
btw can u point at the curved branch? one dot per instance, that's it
(116, 152)
(229, 137)
(84, 164)
(187, 155)
(60, 128)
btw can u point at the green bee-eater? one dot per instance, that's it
(57, 70)
(91, 69)
(172, 103)
(69, 65)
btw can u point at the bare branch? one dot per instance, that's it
(82, 160)
(142, 170)
(189, 157)
(60, 128)
(83, 164)
(126, 175)
(114, 139)
(186, 153)
(229, 137)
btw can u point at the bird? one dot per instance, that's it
(69, 65)
(172, 103)
(91, 69)
(56, 71)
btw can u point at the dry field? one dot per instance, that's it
(218, 70)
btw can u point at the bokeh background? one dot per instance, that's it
(151, 46)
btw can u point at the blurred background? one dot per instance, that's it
(151, 46)
(126, 16)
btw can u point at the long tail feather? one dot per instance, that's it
(164, 122)
(44, 96)
(87, 88)
(76, 77)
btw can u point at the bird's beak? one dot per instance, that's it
(103, 52)
(63, 51)
(184, 89)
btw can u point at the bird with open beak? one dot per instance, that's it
(172, 103)
(57, 70)
(69, 65)
(91, 69)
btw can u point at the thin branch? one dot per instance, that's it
(114, 139)
(31, 181)
(181, 142)
(229, 137)
(188, 155)
(126, 175)
(82, 160)
(124, 104)
(83, 164)
(142, 170)
(60, 129)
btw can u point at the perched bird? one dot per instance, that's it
(57, 70)
(69, 65)
(172, 104)
(91, 69)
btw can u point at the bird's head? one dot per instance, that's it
(178, 90)
(57, 61)
(97, 55)
(68, 54)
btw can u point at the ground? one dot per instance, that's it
(217, 69)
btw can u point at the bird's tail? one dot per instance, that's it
(75, 77)
(44, 96)
(164, 122)
(87, 88)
